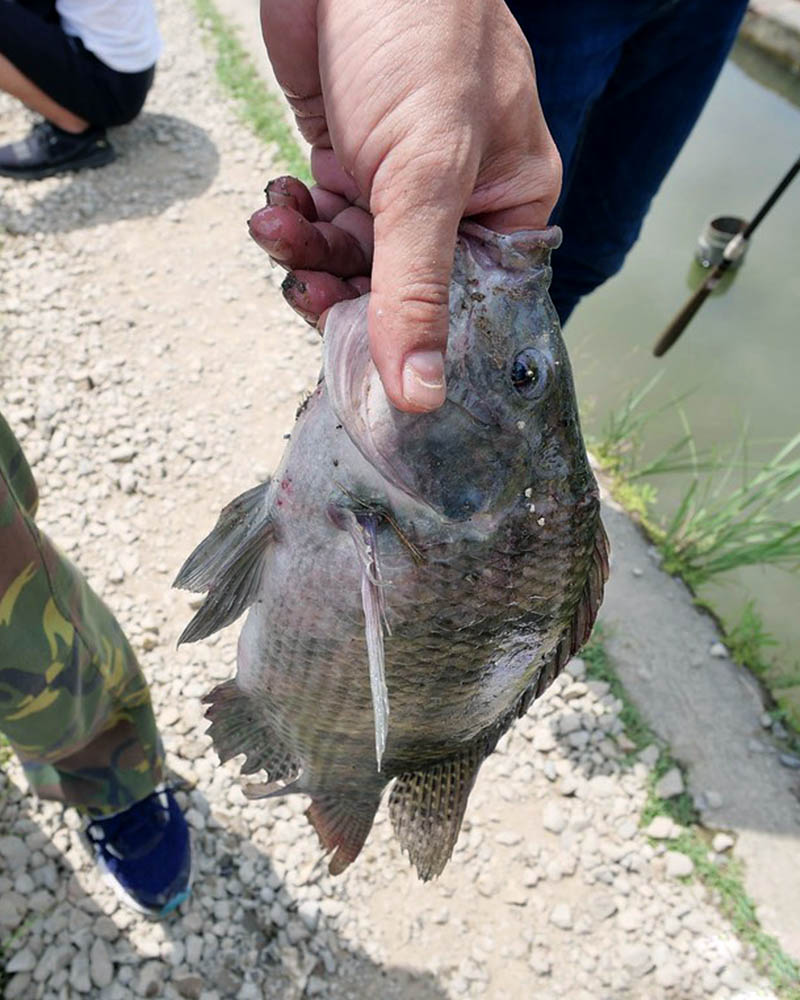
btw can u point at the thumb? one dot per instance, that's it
(408, 316)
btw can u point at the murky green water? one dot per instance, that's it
(740, 356)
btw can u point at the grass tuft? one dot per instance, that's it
(718, 526)
(747, 640)
(715, 530)
(680, 808)
(257, 105)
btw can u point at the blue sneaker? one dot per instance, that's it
(145, 854)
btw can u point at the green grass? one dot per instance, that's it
(729, 517)
(718, 526)
(599, 668)
(750, 644)
(722, 878)
(260, 108)
(747, 640)
(724, 881)
(716, 529)
(680, 808)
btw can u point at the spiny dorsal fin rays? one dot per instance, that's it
(362, 529)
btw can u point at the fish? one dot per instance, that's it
(414, 580)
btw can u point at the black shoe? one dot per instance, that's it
(49, 150)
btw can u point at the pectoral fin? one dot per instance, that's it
(363, 531)
(228, 563)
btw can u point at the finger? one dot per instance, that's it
(534, 215)
(360, 284)
(328, 173)
(522, 199)
(328, 204)
(289, 192)
(416, 221)
(289, 28)
(311, 293)
(295, 242)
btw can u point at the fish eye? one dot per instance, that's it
(529, 373)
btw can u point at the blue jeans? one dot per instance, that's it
(621, 83)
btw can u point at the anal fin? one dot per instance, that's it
(238, 726)
(427, 808)
(342, 824)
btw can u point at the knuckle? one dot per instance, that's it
(421, 303)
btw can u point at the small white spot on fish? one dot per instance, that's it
(529, 492)
(540, 522)
(532, 508)
(521, 425)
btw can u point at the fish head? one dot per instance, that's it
(509, 422)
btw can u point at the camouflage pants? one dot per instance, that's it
(73, 702)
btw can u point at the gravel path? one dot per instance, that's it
(151, 370)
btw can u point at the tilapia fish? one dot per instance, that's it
(414, 580)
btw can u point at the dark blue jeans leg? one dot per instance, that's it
(662, 60)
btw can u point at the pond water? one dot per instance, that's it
(739, 359)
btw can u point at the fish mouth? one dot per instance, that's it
(455, 460)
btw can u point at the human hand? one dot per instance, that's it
(418, 112)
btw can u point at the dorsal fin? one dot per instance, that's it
(592, 596)
(228, 563)
(582, 622)
(426, 808)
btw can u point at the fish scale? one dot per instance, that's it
(406, 601)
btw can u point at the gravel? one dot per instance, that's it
(151, 370)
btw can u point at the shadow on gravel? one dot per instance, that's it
(241, 924)
(161, 160)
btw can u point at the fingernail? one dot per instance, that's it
(423, 379)
(278, 195)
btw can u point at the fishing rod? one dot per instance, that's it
(733, 252)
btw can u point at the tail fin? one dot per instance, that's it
(427, 807)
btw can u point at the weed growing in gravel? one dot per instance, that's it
(721, 876)
(598, 667)
(724, 881)
(680, 808)
(258, 106)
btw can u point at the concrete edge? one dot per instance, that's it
(774, 27)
